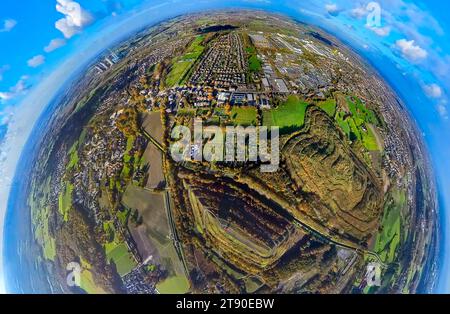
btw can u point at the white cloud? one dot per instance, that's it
(381, 31)
(443, 112)
(20, 88)
(36, 61)
(55, 44)
(332, 9)
(76, 18)
(6, 116)
(410, 50)
(433, 91)
(358, 12)
(5, 96)
(8, 25)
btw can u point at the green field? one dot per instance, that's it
(126, 170)
(181, 65)
(254, 63)
(43, 236)
(173, 285)
(356, 124)
(244, 116)
(40, 214)
(87, 282)
(116, 250)
(290, 114)
(120, 255)
(65, 201)
(329, 106)
(360, 112)
(73, 154)
(123, 216)
(369, 140)
(388, 238)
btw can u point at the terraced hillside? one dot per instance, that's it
(341, 192)
(238, 224)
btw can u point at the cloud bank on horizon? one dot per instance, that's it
(407, 32)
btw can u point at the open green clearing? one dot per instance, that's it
(360, 112)
(116, 250)
(244, 116)
(290, 114)
(369, 140)
(173, 285)
(122, 258)
(43, 236)
(254, 63)
(127, 158)
(119, 254)
(181, 65)
(356, 124)
(65, 200)
(73, 156)
(329, 106)
(40, 213)
(388, 239)
(87, 282)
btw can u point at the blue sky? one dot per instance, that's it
(42, 42)
(415, 38)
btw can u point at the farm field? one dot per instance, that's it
(181, 65)
(244, 116)
(388, 239)
(87, 282)
(358, 124)
(65, 200)
(150, 207)
(173, 285)
(329, 106)
(122, 258)
(153, 158)
(254, 63)
(152, 125)
(290, 114)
